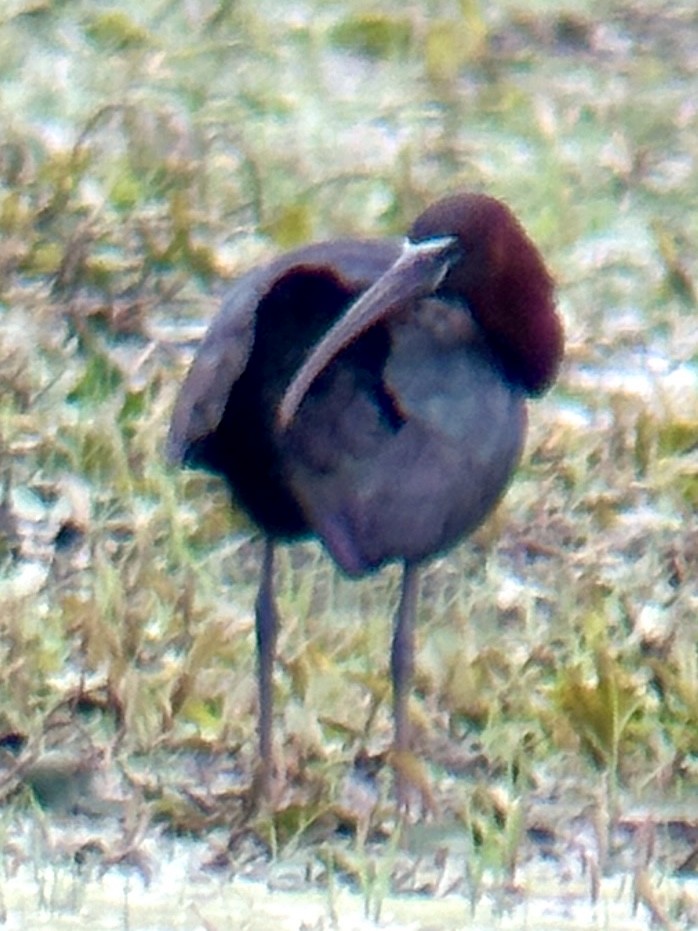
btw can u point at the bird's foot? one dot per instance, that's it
(412, 784)
(266, 789)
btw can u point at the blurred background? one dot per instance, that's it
(150, 152)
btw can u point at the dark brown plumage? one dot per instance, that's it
(374, 397)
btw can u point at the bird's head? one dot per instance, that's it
(501, 276)
(470, 247)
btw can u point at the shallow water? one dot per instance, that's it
(179, 898)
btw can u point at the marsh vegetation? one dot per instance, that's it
(150, 152)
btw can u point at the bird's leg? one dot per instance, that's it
(267, 626)
(402, 670)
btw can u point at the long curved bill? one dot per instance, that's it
(417, 272)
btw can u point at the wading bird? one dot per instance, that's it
(373, 395)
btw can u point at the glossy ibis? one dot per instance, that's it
(372, 394)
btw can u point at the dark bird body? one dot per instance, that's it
(374, 398)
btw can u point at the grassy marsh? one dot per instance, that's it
(150, 152)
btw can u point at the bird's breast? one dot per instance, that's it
(443, 375)
(402, 462)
